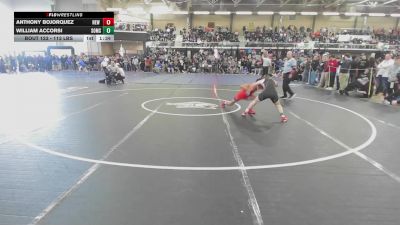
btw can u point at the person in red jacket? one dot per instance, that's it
(333, 65)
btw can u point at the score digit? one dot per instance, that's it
(108, 21)
(108, 30)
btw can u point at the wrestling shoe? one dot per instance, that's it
(247, 113)
(284, 119)
(223, 104)
(252, 112)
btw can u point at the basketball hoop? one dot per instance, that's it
(260, 2)
(236, 2)
(212, 2)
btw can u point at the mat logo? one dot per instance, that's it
(71, 89)
(193, 105)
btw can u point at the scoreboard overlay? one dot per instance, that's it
(63, 26)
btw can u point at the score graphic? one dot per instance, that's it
(64, 26)
(108, 25)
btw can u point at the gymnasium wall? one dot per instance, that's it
(107, 49)
(131, 47)
(202, 20)
(335, 22)
(385, 22)
(180, 21)
(245, 20)
(297, 21)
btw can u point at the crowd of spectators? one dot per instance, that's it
(292, 34)
(207, 60)
(367, 74)
(42, 63)
(125, 26)
(282, 34)
(205, 34)
(46, 63)
(285, 35)
(204, 61)
(390, 36)
(168, 34)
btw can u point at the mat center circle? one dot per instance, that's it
(187, 106)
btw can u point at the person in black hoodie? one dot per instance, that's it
(314, 70)
(362, 81)
(354, 68)
(362, 67)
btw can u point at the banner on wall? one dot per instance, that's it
(251, 26)
(308, 45)
(348, 37)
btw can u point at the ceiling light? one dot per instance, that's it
(201, 12)
(376, 14)
(389, 2)
(287, 13)
(180, 12)
(160, 9)
(352, 14)
(113, 9)
(244, 13)
(395, 15)
(309, 13)
(265, 13)
(359, 3)
(222, 13)
(330, 13)
(136, 10)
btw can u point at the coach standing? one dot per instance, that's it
(288, 67)
(266, 63)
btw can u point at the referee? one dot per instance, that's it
(288, 67)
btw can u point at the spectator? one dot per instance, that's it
(383, 74)
(2, 65)
(135, 63)
(120, 73)
(324, 80)
(104, 63)
(315, 70)
(82, 65)
(333, 65)
(266, 63)
(354, 68)
(148, 66)
(345, 66)
(393, 74)
(363, 66)
(307, 69)
(394, 97)
(13, 64)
